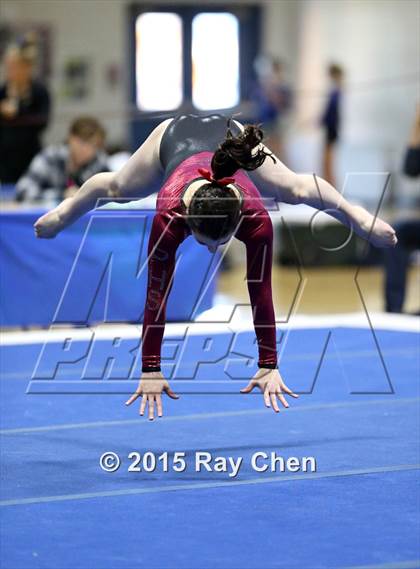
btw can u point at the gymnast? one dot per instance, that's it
(208, 193)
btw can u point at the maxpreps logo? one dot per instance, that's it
(199, 356)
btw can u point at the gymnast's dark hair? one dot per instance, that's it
(214, 210)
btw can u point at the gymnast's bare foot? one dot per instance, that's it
(376, 231)
(50, 224)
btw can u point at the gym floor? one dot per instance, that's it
(357, 416)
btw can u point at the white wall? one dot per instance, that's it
(377, 42)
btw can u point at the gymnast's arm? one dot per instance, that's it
(256, 232)
(275, 180)
(134, 181)
(166, 235)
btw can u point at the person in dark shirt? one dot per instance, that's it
(331, 121)
(24, 113)
(412, 156)
(397, 261)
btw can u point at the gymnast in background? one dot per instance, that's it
(211, 190)
(331, 121)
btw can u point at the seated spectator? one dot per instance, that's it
(24, 112)
(397, 260)
(58, 171)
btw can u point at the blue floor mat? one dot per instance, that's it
(359, 420)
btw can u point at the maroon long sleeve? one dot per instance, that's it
(256, 232)
(167, 233)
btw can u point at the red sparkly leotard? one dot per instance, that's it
(170, 228)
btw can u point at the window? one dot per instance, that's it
(215, 61)
(211, 75)
(159, 61)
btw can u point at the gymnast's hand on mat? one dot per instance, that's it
(150, 390)
(271, 384)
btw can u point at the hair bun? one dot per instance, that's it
(252, 136)
(244, 151)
